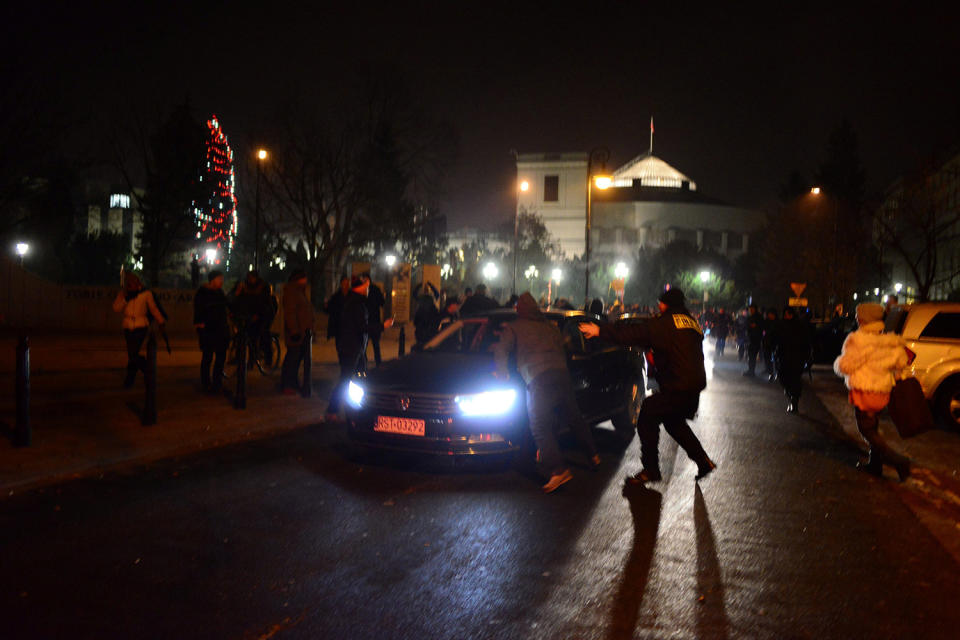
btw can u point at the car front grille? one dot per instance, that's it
(392, 403)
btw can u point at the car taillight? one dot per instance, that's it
(911, 356)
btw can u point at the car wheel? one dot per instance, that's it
(948, 403)
(625, 422)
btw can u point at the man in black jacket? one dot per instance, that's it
(477, 302)
(677, 344)
(375, 302)
(334, 307)
(754, 340)
(352, 333)
(210, 321)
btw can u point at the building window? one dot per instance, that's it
(551, 188)
(119, 201)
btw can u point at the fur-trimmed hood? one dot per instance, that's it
(870, 359)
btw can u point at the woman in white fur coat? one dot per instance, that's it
(869, 361)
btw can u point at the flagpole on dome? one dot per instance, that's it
(651, 135)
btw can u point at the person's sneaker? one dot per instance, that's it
(557, 480)
(645, 476)
(704, 468)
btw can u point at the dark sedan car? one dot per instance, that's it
(444, 399)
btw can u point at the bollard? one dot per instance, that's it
(22, 435)
(403, 340)
(150, 378)
(240, 397)
(306, 390)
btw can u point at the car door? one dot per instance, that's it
(592, 369)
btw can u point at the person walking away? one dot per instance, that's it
(213, 332)
(478, 302)
(769, 341)
(352, 334)
(721, 329)
(375, 303)
(137, 305)
(537, 345)
(334, 307)
(869, 362)
(677, 344)
(792, 354)
(754, 339)
(297, 325)
(426, 321)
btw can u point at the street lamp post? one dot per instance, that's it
(705, 278)
(524, 187)
(261, 156)
(601, 154)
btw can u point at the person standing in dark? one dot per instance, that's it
(426, 321)
(792, 354)
(375, 302)
(213, 332)
(352, 334)
(538, 347)
(297, 326)
(478, 302)
(721, 329)
(754, 339)
(596, 307)
(334, 307)
(253, 308)
(769, 342)
(677, 344)
(195, 272)
(137, 305)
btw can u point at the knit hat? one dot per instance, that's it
(672, 298)
(527, 306)
(869, 312)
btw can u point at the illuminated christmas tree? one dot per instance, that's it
(216, 215)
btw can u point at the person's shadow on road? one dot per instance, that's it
(645, 505)
(712, 619)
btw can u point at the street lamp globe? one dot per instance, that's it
(261, 154)
(602, 182)
(211, 256)
(557, 275)
(705, 277)
(390, 260)
(621, 271)
(898, 287)
(22, 249)
(815, 191)
(524, 186)
(490, 271)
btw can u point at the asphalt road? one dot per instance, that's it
(290, 537)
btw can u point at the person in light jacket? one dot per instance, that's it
(137, 305)
(869, 362)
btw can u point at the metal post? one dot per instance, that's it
(240, 396)
(22, 434)
(586, 253)
(307, 389)
(256, 223)
(516, 246)
(150, 378)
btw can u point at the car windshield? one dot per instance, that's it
(471, 335)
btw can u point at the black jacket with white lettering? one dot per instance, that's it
(677, 343)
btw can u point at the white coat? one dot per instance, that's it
(869, 359)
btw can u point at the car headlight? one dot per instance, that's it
(488, 403)
(355, 394)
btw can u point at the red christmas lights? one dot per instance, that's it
(216, 216)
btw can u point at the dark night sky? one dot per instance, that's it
(740, 99)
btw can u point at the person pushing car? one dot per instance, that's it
(676, 340)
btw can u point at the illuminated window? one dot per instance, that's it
(551, 188)
(119, 201)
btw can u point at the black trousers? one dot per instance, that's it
(790, 374)
(296, 354)
(375, 341)
(135, 362)
(213, 348)
(672, 409)
(551, 404)
(753, 350)
(351, 363)
(880, 451)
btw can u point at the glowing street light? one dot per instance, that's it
(390, 260)
(531, 272)
(815, 191)
(22, 249)
(524, 186)
(621, 271)
(602, 182)
(898, 287)
(211, 256)
(704, 277)
(557, 275)
(446, 271)
(261, 154)
(490, 271)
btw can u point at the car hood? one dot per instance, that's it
(447, 373)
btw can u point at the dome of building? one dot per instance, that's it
(651, 171)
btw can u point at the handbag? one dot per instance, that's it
(909, 409)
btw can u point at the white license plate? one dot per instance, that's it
(406, 426)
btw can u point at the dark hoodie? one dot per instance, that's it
(537, 343)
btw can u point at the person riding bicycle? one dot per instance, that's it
(254, 306)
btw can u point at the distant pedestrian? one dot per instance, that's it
(478, 302)
(677, 344)
(375, 303)
(769, 341)
(426, 320)
(352, 335)
(334, 307)
(596, 308)
(869, 362)
(195, 272)
(253, 308)
(754, 339)
(213, 332)
(740, 329)
(538, 347)
(721, 329)
(792, 354)
(297, 327)
(137, 305)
